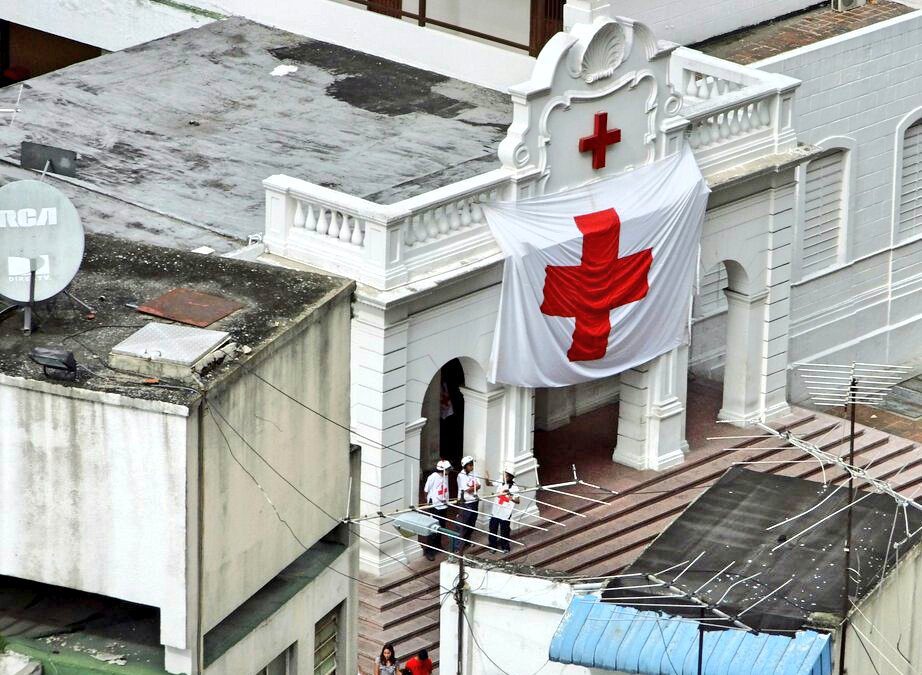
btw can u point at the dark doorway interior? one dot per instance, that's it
(546, 21)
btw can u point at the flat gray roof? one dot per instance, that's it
(186, 127)
(118, 275)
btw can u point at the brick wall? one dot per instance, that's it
(859, 92)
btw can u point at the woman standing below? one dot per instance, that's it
(386, 663)
(503, 506)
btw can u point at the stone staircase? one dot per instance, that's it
(405, 608)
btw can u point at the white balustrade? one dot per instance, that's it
(728, 124)
(383, 245)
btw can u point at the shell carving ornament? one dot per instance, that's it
(603, 54)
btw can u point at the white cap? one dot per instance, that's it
(509, 468)
(467, 459)
(443, 465)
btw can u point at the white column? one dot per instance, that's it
(518, 443)
(483, 434)
(379, 421)
(651, 419)
(742, 373)
(584, 11)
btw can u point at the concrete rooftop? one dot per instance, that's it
(800, 29)
(117, 274)
(185, 128)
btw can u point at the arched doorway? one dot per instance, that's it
(443, 407)
(727, 338)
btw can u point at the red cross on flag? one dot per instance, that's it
(597, 279)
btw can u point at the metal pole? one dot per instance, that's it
(701, 642)
(459, 598)
(848, 528)
(422, 12)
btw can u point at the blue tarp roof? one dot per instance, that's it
(604, 635)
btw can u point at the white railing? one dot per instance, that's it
(385, 245)
(735, 114)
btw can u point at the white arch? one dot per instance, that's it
(899, 143)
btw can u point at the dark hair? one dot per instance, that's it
(393, 659)
(423, 654)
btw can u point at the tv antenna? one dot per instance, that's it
(41, 244)
(15, 110)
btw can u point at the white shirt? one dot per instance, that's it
(436, 490)
(503, 504)
(466, 481)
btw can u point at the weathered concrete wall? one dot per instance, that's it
(244, 542)
(860, 91)
(889, 623)
(293, 624)
(89, 503)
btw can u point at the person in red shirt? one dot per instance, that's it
(420, 664)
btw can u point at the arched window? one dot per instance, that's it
(909, 215)
(824, 213)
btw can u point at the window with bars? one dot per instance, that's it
(325, 635)
(824, 213)
(283, 664)
(909, 217)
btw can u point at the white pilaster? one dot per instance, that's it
(651, 420)
(518, 442)
(584, 11)
(483, 430)
(379, 424)
(742, 373)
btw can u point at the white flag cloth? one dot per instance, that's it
(597, 279)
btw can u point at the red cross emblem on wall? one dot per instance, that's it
(599, 141)
(600, 283)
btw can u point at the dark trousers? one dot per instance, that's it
(502, 528)
(467, 519)
(435, 539)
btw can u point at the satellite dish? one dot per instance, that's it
(40, 233)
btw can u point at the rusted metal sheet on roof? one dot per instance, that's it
(191, 307)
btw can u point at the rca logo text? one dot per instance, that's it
(28, 217)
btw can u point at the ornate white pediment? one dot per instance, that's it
(612, 66)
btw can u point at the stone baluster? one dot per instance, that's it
(299, 218)
(764, 113)
(432, 228)
(476, 211)
(310, 219)
(703, 92)
(358, 232)
(419, 228)
(323, 223)
(465, 208)
(441, 219)
(454, 219)
(334, 224)
(409, 232)
(745, 122)
(714, 128)
(345, 232)
(691, 87)
(734, 121)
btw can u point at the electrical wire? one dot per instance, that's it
(212, 409)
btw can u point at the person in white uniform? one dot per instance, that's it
(468, 503)
(503, 506)
(436, 490)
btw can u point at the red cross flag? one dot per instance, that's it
(597, 279)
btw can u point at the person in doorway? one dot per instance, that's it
(436, 489)
(386, 663)
(468, 503)
(503, 507)
(420, 664)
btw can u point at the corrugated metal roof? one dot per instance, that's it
(604, 635)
